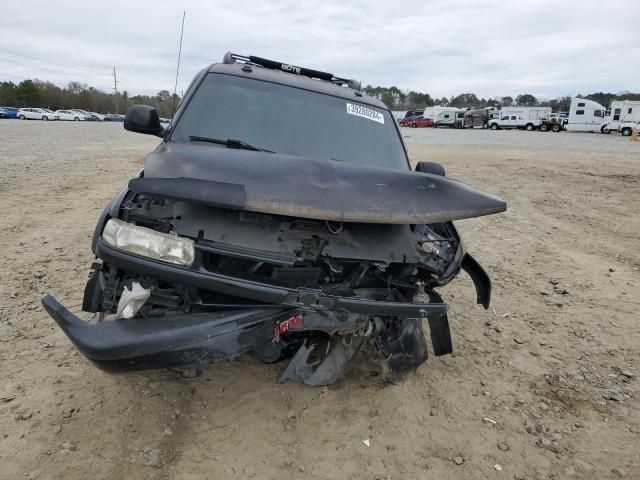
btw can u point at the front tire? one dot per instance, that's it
(529, 127)
(46, 119)
(76, 119)
(544, 127)
(22, 117)
(556, 127)
(625, 132)
(494, 126)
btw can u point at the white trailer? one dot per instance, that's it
(621, 111)
(585, 116)
(432, 112)
(449, 117)
(535, 114)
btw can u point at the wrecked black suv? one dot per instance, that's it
(278, 216)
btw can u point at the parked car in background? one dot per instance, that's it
(98, 116)
(113, 117)
(70, 115)
(84, 113)
(512, 121)
(410, 117)
(626, 128)
(55, 115)
(422, 122)
(35, 114)
(4, 113)
(11, 111)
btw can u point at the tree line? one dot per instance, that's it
(43, 94)
(39, 93)
(396, 99)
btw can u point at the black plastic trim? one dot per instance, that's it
(190, 339)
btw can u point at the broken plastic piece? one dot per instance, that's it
(131, 301)
(328, 370)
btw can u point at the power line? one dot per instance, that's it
(54, 63)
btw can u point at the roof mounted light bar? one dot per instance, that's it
(285, 67)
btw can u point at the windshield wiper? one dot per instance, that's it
(229, 143)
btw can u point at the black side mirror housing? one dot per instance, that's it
(430, 167)
(143, 119)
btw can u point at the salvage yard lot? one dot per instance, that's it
(542, 385)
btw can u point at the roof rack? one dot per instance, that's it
(285, 67)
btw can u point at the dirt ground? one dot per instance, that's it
(541, 386)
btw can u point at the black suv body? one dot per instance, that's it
(278, 216)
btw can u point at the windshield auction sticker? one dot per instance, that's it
(365, 112)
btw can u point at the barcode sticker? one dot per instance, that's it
(365, 112)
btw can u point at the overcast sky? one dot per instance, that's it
(489, 47)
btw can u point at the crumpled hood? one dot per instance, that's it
(318, 189)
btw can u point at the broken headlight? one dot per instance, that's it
(149, 243)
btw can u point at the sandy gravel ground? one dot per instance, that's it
(542, 386)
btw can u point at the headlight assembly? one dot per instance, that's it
(148, 243)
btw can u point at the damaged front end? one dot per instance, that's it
(278, 217)
(184, 282)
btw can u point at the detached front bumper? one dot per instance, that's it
(139, 343)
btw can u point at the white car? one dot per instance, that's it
(626, 129)
(52, 113)
(87, 115)
(35, 114)
(98, 116)
(69, 115)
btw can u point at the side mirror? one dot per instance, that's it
(430, 167)
(143, 119)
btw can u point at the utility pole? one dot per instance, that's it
(115, 87)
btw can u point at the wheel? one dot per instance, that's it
(625, 132)
(46, 119)
(605, 130)
(22, 117)
(544, 127)
(413, 125)
(556, 127)
(76, 119)
(529, 127)
(494, 126)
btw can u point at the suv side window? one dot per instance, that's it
(579, 112)
(616, 114)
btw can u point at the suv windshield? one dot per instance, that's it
(292, 121)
